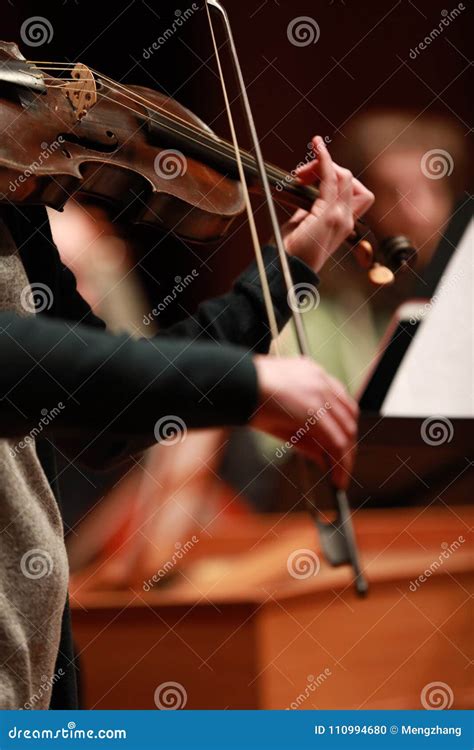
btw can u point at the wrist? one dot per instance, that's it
(266, 387)
(263, 371)
(311, 257)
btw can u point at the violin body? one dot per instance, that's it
(49, 151)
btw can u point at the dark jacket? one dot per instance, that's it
(114, 389)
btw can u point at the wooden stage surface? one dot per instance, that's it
(233, 628)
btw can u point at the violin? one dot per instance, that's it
(67, 129)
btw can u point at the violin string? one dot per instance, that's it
(130, 109)
(221, 147)
(135, 97)
(129, 93)
(276, 174)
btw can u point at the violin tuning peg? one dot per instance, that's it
(399, 252)
(381, 275)
(364, 254)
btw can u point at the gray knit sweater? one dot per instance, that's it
(33, 563)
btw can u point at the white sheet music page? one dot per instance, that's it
(436, 374)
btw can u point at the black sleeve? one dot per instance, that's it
(94, 383)
(239, 317)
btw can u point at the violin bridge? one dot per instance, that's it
(82, 91)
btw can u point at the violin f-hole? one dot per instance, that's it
(92, 142)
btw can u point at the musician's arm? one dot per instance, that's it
(112, 390)
(238, 317)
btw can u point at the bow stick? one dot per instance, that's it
(337, 537)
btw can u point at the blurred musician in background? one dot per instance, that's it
(417, 167)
